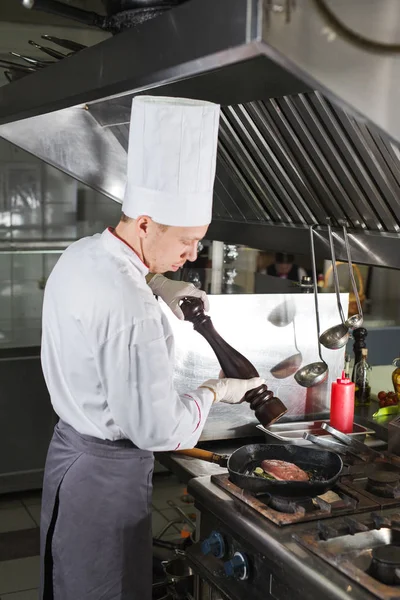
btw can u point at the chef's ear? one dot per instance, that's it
(143, 223)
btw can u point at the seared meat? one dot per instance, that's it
(284, 471)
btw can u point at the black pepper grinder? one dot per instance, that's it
(266, 406)
(359, 336)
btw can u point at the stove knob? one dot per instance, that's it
(237, 567)
(214, 545)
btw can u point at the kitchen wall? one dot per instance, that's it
(37, 202)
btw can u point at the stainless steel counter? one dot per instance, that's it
(25, 403)
(380, 425)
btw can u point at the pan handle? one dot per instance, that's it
(219, 459)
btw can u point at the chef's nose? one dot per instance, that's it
(192, 253)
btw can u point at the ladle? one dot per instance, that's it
(357, 320)
(316, 372)
(335, 337)
(288, 366)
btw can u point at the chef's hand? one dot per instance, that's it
(232, 391)
(172, 292)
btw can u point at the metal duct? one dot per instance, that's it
(294, 161)
(287, 156)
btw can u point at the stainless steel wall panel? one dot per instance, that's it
(267, 329)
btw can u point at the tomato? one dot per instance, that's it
(382, 395)
(382, 403)
(391, 395)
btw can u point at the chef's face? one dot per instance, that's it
(168, 248)
(283, 268)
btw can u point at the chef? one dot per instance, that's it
(284, 268)
(107, 357)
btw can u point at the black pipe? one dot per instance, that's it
(114, 7)
(60, 9)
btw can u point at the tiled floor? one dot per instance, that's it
(19, 534)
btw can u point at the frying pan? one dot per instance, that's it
(325, 466)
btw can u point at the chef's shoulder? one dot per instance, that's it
(103, 293)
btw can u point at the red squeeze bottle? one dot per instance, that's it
(342, 404)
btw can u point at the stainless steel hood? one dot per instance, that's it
(288, 155)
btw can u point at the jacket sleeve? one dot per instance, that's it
(137, 378)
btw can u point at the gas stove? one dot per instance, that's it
(367, 554)
(345, 542)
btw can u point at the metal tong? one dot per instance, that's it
(68, 44)
(33, 62)
(345, 445)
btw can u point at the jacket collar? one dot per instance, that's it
(119, 247)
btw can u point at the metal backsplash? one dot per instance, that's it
(267, 329)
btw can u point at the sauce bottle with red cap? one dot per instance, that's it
(342, 404)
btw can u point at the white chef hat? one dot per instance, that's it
(171, 160)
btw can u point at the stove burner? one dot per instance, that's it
(291, 506)
(301, 506)
(288, 511)
(384, 483)
(385, 565)
(384, 477)
(389, 554)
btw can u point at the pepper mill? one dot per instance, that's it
(266, 406)
(359, 336)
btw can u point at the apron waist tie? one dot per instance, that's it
(92, 445)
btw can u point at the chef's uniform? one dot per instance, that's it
(107, 357)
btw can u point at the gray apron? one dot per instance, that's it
(95, 530)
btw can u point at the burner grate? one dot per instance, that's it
(381, 486)
(384, 483)
(288, 511)
(369, 553)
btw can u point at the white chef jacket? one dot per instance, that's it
(107, 351)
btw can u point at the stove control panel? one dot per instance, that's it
(214, 545)
(237, 567)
